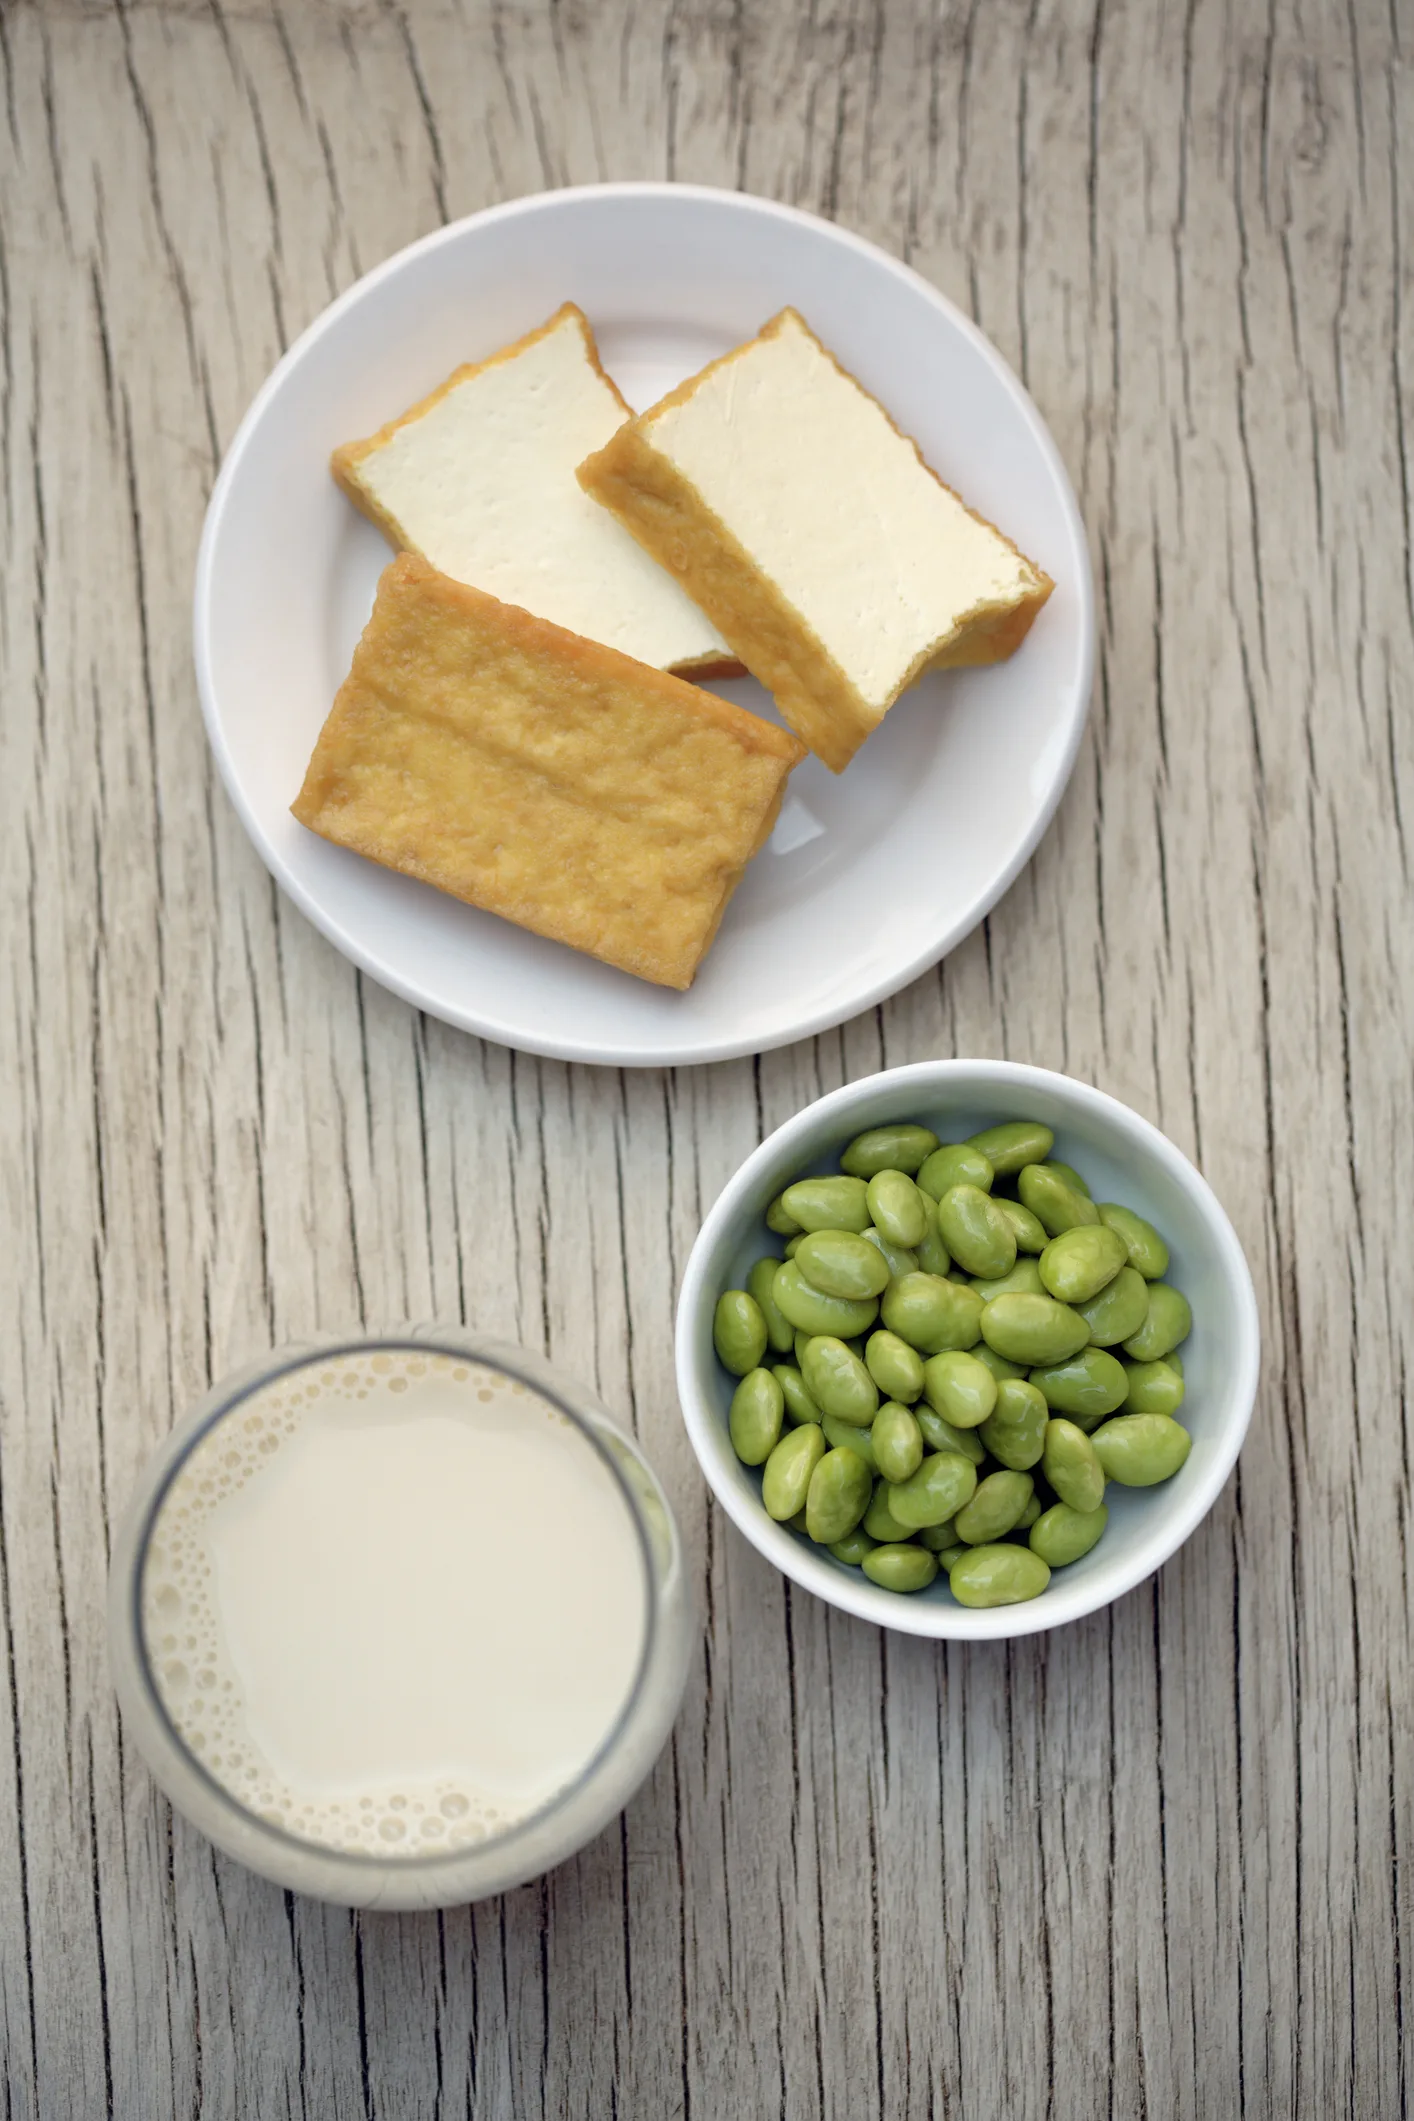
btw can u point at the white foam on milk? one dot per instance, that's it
(394, 1602)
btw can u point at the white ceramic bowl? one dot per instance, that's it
(1122, 1158)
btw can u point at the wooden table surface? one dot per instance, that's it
(1156, 1864)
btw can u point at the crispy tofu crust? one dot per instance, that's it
(671, 520)
(542, 776)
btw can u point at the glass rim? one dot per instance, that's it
(242, 1385)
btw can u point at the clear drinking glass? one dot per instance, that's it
(449, 1876)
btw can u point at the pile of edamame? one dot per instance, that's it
(958, 1351)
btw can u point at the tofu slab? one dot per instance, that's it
(836, 564)
(542, 776)
(479, 478)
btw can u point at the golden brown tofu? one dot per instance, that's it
(543, 777)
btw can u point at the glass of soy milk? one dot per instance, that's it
(399, 1622)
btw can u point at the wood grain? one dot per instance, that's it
(1157, 1864)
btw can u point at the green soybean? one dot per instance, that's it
(942, 1435)
(950, 1556)
(940, 1487)
(937, 1537)
(838, 1382)
(845, 1436)
(1139, 1450)
(1061, 1535)
(959, 1388)
(811, 1311)
(1015, 1430)
(799, 1405)
(1089, 1385)
(1014, 1143)
(997, 1575)
(1079, 1263)
(1174, 1360)
(853, 1547)
(1023, 1280)
(828, 1204)
(778, 1220)
(758, 1405)
(738, 1332)
(803, 1340)
(797, 1523)
(786, 1480)
(879, 1520)
(896, 1148)
(899, 1212)
(1169, 1321)
(900, 1568)
(1153, 1388)
(1028, 1232)
(932, 1313)
(895, 1368)
(1072, 1467)
(898, 1442)
(793, 1244)
(994, 1508)
(1056, 1204)
(976, 1232)
(1118, 1310)
(955, 1165)
(1147, 1250)
(1071, 1176)
(1029, 1515)
(760, 1284)
(839, 1493)
(1034, 1330)
(839, 1264)
(897, 1258)
(997, 1364)
(933, 1254)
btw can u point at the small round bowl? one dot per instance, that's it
(1122, 1158)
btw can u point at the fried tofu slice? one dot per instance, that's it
(542, 776)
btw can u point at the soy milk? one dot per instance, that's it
(394, 1602)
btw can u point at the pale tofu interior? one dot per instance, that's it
(832, 502)
(483, 485)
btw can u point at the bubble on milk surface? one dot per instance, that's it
(195, 1682)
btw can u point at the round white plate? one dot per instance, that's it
(869, 877)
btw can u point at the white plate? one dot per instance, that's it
(870, 877)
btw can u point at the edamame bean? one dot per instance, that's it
(1088, 1386)
(1147, 1250)
(933, 1254)
(738, 1332)
(955, 1164)
(1169, 1321)
(898, 1442)
(786, 1480)
(1024, 1280)
(1153, 1388)
(941, 1435)
(937, 1537)
(899, 1212)
(1071, 1176)
(997, 1575)
(897, 1258)
(976, 1232)
(901, 1147)
(940, 1487)
(827, 1204)
(994, 1508)
(845, 1436)
(1071, 1466)
(853, 1547)
(793, 1244)
(932, 1313)
(1014, 1143)
(1079, 1263)
(799, 1406)
(1029, 1515)
(1118, 1310)
(803, 1340)
(811, 1311)
(900, 1568)
(797, 1523)
(959, 1388)
(760, 1284)
(1015, 1430)
(778, 1220)
(998, 1364)
(1061, 1535)
(1174, 1360)
(1029, 1235)
(758, 1405)
(1029, 1329)
(1056, 1204)
(838, 1382)
(895, 1368)
(879, 1520)
(1140, 1450)
(839, 1494)
(839, 1264)
(948, 1557)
